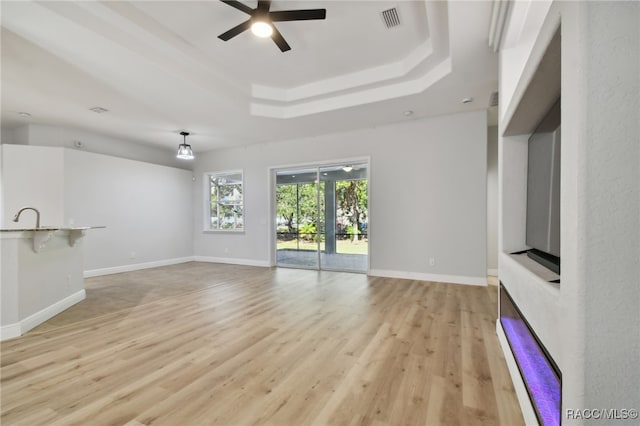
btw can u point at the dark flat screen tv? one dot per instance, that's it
(543, 191)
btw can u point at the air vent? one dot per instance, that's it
(98, 110)
(493, 99)
(390, 17)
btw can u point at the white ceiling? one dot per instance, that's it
(159, 68)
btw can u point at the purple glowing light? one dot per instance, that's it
(537, 372)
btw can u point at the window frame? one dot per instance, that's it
(208, 214)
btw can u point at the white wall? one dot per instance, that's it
(492, 200)
(147, 208)
(16, 136)
(41, 135)
(46, 277)
(428, 195)
(601, 204)
(32, 176)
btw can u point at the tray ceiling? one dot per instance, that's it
(159, 68)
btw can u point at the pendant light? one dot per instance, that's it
(184, 149)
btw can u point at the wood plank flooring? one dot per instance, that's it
(213, 344)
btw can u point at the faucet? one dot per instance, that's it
(17, 216)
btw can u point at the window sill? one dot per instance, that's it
(223, 231)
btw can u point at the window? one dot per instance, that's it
(225, 207)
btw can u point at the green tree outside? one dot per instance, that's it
(353, 200)
(297, 206)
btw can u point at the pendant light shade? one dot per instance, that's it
(184, 149)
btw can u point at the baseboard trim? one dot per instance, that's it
(232, 261)
(18, 329)
(453, 279)
(51, 311)
(136, 267)
(9, 331)
(528, 413)
(147, 265)
(492, 272)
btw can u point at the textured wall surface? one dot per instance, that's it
(492, 198)
(608, 201)
(596, 335)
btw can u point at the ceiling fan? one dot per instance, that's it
(261, 21)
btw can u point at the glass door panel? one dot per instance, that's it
(322, 217)
(297, 218)
(347, 215)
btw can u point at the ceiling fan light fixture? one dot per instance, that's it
(261, 29)
(184, 149)
(261, 21)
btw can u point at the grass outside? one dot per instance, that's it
(342, 246)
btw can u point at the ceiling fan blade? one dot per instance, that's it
(279, 40)
(297, 15)
(235, 30)
(240, 6)
(263, 6)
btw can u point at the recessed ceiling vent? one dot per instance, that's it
(493, 99)
(390, 17)
(98, 110)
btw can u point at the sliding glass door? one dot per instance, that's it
(322, 217)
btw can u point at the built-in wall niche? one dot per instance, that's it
(530, 308)
(535, 268)
(530, 132)
(537, 92)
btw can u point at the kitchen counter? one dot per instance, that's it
(43, 234)
(51, 228)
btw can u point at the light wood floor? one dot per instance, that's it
(203, 343)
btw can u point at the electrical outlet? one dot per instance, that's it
(432, 261)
